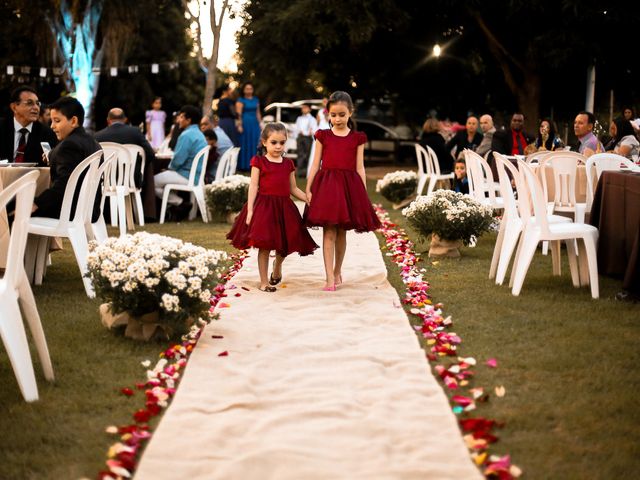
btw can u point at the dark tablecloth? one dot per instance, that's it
(616, 214)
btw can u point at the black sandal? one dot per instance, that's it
(273, 280)
(268, 289)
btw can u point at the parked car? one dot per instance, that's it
(384, 143)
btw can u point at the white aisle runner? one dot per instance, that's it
(316, 385)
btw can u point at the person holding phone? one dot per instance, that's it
(21, 134)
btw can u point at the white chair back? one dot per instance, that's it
(23, 190)
(84, 203)
(227, 163)
(610, 162)
(134, 151)
(565, 172)
(201, 158)
(537, 196)
(481, 182)
(504, 167)
(122, 174)
(164, 146)
(97, 230)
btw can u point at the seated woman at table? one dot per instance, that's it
(547, 138)
(623, 140)
(67, 116)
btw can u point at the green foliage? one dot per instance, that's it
(227, 195)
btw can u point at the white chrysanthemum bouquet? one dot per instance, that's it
(145, 273)
(397, 186)
(450, 215)
(227, 195)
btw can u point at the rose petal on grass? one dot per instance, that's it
(492, 362)
(145, 363)
(112, 429)
(127, 391)
(500, 391)
(462, 400)
(224, 305)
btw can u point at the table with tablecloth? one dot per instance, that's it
(616, 214)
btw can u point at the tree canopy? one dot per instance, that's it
(496, 56)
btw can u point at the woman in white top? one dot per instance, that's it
(623, 140)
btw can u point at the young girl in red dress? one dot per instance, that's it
(270, 220)
(336, 189)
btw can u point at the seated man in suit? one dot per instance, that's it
(21, 134)
(514, 140)
(67, 116)
(190, 142)
(118, 131)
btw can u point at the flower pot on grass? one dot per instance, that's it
(226, 197)
(398, 187)
(452, 219)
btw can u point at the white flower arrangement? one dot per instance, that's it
(228, 194)
(147, 272)
(398, 185)
(450, 215)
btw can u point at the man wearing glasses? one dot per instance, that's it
(21, 134)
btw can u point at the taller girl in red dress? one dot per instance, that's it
(337, 189)
(270, 220)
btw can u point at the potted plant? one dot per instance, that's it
(226, 197)
(155, 285)
(398, 186)
(450, 218)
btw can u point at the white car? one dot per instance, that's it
(287, 113)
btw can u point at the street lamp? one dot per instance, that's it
(437, 50)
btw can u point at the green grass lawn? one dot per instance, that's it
(569, 365)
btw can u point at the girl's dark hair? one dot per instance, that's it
(220, 90)
(269, 128)
(342, 97)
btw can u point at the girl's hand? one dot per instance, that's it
(249, 217)
(240, 129)
(308, 193)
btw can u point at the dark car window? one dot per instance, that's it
(289, 114)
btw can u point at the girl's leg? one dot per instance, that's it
(341, 248)
(328, 252)
(263, 267)
(276, 273)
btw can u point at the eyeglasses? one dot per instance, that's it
(30, 103)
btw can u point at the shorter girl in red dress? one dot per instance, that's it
(270, 220)
(337, 190)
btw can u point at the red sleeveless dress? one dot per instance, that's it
(338, 196)
(276, 223)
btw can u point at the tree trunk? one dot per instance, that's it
(212, 70)
(528, 97)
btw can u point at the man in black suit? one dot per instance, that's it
(21, 134)
(118, 131)
(67, 116)
(514, 140)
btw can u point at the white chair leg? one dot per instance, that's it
(545, 247)
(194, 207)
(529, 246)
(556, 258)
(99, 229)
(432, 184)
(421, 183)
(199, 194)
(165, 199)
(573, 261)
(139, 209)
(32, 317)
(498, 247)
(41, 255)
(512, 235)
(80, 247)
(15, 342)
(30, 255)
(122, 210)
(592, 259)
(113, 210)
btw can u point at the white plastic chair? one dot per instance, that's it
(16, 294)
(117, 184)
(540, 229)
(227, 163)
(98, 230)
(516, 214)
(481, 183)
(196, 187)
(602, 162)
(72, 227)
(565, 173)
(136, 192)
(429, 169)
(164, 146)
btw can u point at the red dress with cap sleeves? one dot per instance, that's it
(276, 223)
(338, 196)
